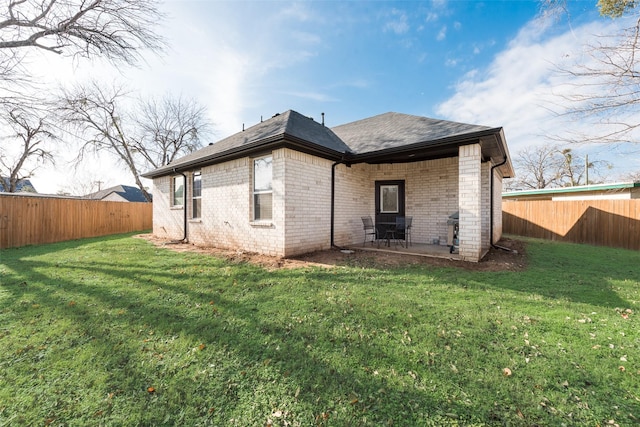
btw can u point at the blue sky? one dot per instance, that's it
(482, 62)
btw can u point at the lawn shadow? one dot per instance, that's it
(237, 325)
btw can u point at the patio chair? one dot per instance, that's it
(407, 230)
(393, 233)
(369, 230)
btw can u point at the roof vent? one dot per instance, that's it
(275, 115)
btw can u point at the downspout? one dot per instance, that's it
(491, 209)
(184, 205)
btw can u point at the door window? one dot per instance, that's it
(389, 202)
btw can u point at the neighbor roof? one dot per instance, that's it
(617, 186)
(385, 138)
(21, 185)
(131, 194)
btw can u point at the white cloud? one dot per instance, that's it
(442, 34)
(397, 23)
(438, 8)
(520, 87)
(315, 96)
(432, 17)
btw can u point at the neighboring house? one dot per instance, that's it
(290, 185)
(617, 191)
(23, 186)
(119, 193)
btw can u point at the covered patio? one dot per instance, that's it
(429, 170)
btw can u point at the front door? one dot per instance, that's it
(389, 205)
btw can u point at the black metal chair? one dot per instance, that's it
(407, 230)
(369, 230)
(393, 233)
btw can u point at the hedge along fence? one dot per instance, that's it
(614, 223)
(32, 220)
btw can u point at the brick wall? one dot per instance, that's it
(470, 186)
(307, 204)
(302, 193)
(497, 206)
(485, 209)
(167, 221)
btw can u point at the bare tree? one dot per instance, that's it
(162, 131)
(96, 112)
(631, 176)
(169, 128)
(538, 167)
(115, 29)
(31, 132)
(549, 166)
(604, 86)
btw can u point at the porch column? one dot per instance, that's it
(470, 202)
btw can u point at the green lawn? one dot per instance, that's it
(115, 331)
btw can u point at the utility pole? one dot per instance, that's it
(586, 167)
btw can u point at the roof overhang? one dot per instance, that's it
(252, 149)
(492, 142)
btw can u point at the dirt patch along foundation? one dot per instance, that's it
(509, 255)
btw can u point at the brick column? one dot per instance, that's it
(470, 202)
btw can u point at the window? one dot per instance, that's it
(389, 199)
(196, 195)
(262, 189)
(177, 189)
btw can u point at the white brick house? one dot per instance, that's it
(290, 185)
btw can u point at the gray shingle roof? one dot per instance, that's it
(289, 125)
(127, 192)
(369, 140)
(393, 130)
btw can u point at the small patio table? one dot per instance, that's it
(388, 232)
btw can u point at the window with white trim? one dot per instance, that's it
(262, 188)
(196, 195)
(177, 191)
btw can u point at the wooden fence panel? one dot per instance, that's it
(614, 223)
(29, 220)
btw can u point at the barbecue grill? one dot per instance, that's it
(453, 227)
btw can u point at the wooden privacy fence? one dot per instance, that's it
(614, 223)
(29, 220)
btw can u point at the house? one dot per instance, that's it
(614, 191)
(119, 193)
(22, 186)
(290, 185)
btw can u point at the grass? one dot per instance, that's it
(115, 331)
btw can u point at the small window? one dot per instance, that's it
(389, 199)
(196, 195)
(262, 188)
(177, 189)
